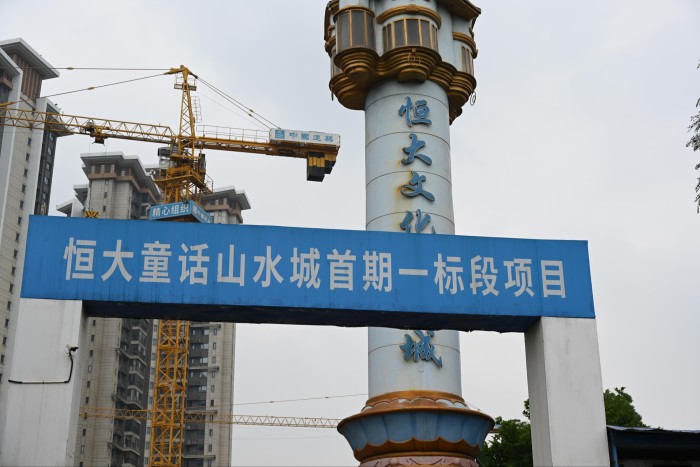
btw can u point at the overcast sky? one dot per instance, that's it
(578, 132)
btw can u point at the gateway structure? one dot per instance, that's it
(408, 64)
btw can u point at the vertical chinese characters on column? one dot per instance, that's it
(415, 114)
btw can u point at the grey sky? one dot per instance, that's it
(578, 132)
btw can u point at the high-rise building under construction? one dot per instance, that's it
(120, 356)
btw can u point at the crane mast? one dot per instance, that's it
(183, 179)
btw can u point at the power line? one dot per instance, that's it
(91, 88)
(235, 438)
(304, 399)
(73, 68)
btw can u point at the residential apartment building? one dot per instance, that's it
(121, 353)
(118, 352)
(26, 168)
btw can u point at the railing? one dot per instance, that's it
(233, 134)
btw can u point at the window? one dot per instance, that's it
(29, 141)
(87, 399)
(82, 448)
(9, 307)
(213, 346)
(89, 368)
(209, 448)
(92, 338)
(21, 204)
(84, 431)
(24, 188)
(26, 172)
(215, 334)
(467, 61)
(19, 220)
(355, 29)
(409, 32)
(91, 351)
(12, 287)
(213, 359)
(7, 323)
(94, 322)
(104, 195)
(211, 432)
(212, 388)
(27, 157)
(211, 401)
(88, 384)
(14, 255)
(17, 237)
(2, 360)
(12, 271)
(4, 341)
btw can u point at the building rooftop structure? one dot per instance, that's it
(651, 447)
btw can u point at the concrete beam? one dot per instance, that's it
(566, 393)
(43, 394)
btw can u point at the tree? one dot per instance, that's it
(694, 142)
(619, 410)
(512, 445)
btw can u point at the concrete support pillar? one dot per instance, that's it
(566, 393)
(386, 133)
(415, 414)
(43, 386)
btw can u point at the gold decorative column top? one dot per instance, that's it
(401, 42)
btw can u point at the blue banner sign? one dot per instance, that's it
(182, 209)
(245, 273)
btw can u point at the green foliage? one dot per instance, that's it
(512, 446)
(526, 412)
(619, 410)
(694, 143)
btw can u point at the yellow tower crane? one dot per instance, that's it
(182, 178)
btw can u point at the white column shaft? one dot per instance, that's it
(386, 134)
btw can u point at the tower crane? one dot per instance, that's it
(213, 417)
(182, 178)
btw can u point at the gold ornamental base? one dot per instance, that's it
(416, 428)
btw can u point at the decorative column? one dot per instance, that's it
(409, 65)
